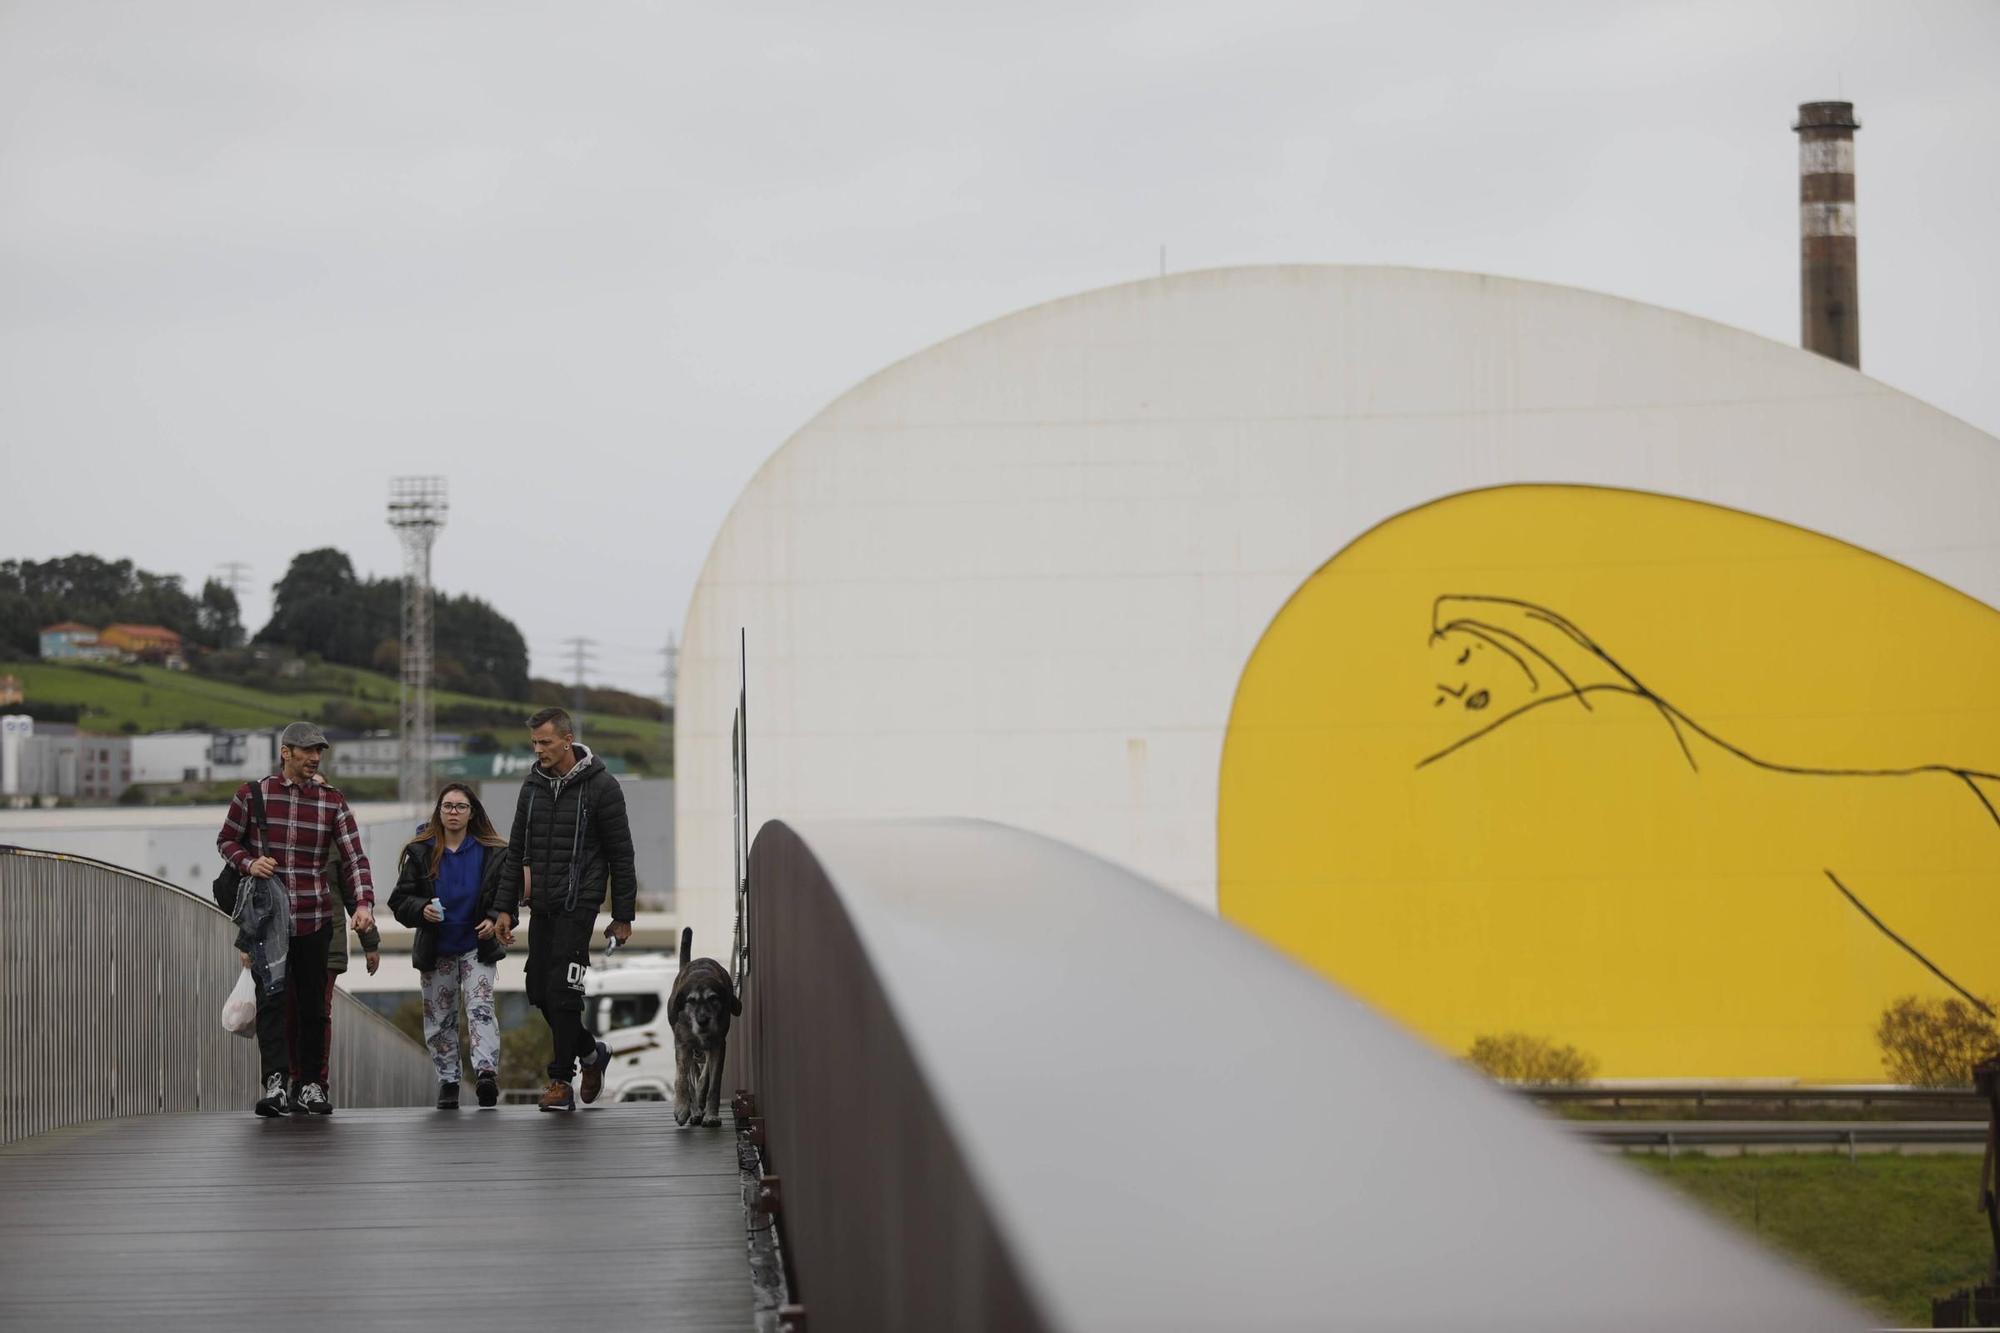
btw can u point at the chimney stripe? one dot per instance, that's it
(1826, 219)
(1822, 155)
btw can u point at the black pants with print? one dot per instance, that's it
(558, 957)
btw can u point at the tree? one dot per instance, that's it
(324, 572)
(321, 607)
(1517, 1057)
(90, 589)
(1934, 1043)
(219, 617)
(487, 648)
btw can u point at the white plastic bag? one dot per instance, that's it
(239, 1011)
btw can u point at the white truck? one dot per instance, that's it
(625, 1004)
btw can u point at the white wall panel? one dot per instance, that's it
(1017, 575)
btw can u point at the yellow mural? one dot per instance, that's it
(1693, 790)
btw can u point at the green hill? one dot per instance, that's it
(115, 699)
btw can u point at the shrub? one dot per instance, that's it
(506, 717)
(525, 1051)
(347, 716)
(1934, 1043)
(1516, 1057)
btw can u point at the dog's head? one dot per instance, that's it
(703, 1002)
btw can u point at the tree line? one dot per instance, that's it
(321, 607)
(108, 592)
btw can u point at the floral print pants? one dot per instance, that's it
(459, 975)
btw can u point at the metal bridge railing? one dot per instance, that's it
(111, 990)
(1007, 1085)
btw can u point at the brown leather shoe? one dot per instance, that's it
(558, 1097)
(593, 1075)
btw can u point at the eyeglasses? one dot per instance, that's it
(456, 807)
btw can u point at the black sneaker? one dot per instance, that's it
(489, 1089)
(448, 1096)
(312, 1100)
(274, 1102)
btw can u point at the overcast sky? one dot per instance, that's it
(595, 261)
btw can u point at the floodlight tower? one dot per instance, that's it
(416, 511)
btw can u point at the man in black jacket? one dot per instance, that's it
(570, 837)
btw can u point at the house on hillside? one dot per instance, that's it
(71, 641)
(148, 643)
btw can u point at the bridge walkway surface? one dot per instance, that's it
(376, 1219)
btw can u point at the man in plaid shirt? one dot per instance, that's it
(305, 819)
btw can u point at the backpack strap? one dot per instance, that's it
(257, 817)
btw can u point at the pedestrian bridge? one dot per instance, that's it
(992, 1083)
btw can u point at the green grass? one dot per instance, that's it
(155, 699)
(1892, 1230)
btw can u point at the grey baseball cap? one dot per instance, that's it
(302, 736)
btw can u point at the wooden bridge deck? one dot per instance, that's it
(372, 1220)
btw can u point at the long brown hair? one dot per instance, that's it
(477, 826)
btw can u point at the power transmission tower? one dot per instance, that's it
(671, 672)
(580, 651)
(416, 511)
(235, 573)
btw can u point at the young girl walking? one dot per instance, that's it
(450, 890)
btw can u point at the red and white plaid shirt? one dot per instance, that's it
(305, 819)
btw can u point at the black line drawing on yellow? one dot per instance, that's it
(1513, 657)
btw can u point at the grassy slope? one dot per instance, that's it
(1894, 1231)
(164, 700)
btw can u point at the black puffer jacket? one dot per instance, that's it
(575, 822)
(416, 886)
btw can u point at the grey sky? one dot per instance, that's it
(594, 262)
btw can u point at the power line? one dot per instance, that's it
(235, 573)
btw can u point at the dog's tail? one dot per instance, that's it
(687, 944)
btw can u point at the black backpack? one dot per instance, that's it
(230, 878)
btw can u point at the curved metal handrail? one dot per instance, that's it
(111, 990)
(1008, 1085)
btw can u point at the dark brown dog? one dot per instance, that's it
(700, 1007)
